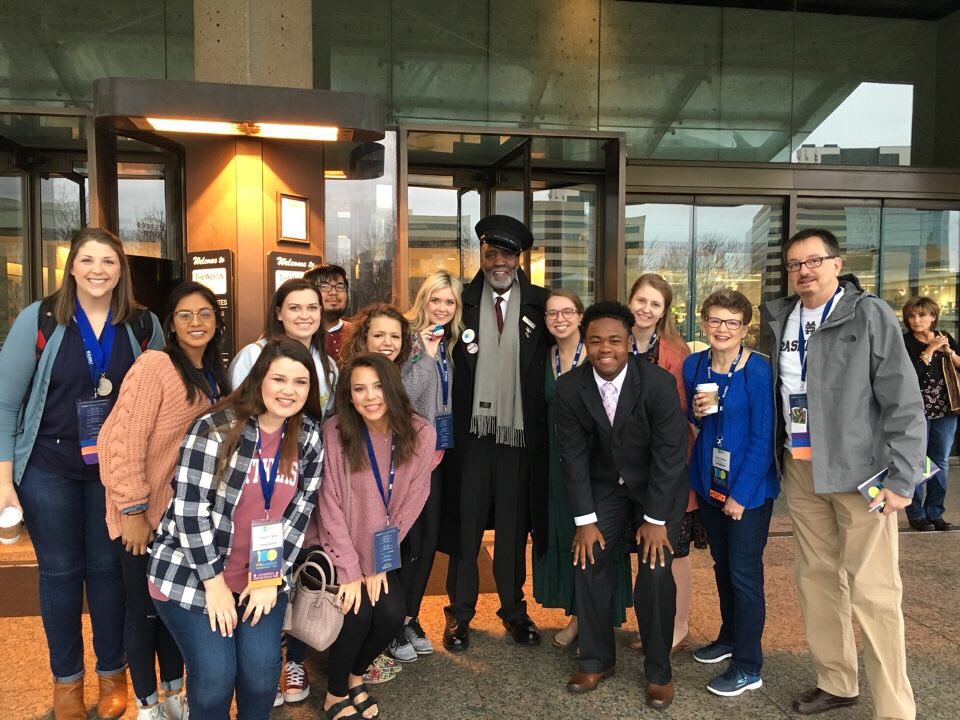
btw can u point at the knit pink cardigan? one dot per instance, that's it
(139, 443)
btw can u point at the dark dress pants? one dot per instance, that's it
(654, 594)
(494, 477)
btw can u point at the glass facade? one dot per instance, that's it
(683, 82)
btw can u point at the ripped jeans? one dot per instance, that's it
(145, 637)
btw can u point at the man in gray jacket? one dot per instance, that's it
(848, 410)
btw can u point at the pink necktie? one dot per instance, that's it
(609, 393)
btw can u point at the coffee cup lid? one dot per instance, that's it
(708, 386)
(10, 516)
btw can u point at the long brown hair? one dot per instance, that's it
(123, 303)
(666, 325)
(399, 411)
(274, 328)
(247, 401)
(356, 343)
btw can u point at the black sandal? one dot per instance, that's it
(333, 710)
(366, 704)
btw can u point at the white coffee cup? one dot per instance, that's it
(713, 391)
(10, 519)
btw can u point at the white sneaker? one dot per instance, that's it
(417, 637)
(401, 649)
(278, 700)
(175, 706)
(154, 712)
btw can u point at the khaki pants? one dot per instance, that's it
(847, 558)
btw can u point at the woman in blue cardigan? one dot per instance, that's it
(732, 471)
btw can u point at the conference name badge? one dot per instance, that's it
(386, 549)
(444, 426)
(800, 447)
(720, 477)
(266, 553)
(91, 414)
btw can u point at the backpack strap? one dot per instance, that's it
(46, 324)
(142, 325)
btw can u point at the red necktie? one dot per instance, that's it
(499, 314)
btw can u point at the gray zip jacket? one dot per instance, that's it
(865, 409)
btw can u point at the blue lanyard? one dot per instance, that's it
(214, 393)
(802, 340)
(576, 357)
(444, 373)
(97, 351)
(636, 350)
(384, 495)
(267, 482)
(726, 389)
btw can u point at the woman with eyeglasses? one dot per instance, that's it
(138, 445)
(733, 473)
(553, 570)
(298, 315)
(655, 339)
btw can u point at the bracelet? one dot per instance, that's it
(135, 509)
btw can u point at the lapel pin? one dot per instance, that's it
(530, 324)
(468, 336)
(472, 348)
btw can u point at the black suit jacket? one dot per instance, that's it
(646, 445)
(533, 358)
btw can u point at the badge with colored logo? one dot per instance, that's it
(468, 336)
(472, 348)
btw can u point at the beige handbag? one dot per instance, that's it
(313, 614)
(953, 383)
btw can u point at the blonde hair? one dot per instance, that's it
(666, 325)
(417, 314)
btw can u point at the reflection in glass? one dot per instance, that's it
(564, 226)
(141, 200)
(658, 239)
(921, 258)
(857, 227)
(361, 229)
(63, 211)
(469, 242)
(13, 273)
(433, 226)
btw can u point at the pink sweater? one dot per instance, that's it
(349, 541)
(140, 441)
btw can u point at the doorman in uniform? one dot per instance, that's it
(499, 458)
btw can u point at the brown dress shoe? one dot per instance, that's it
(635, 643)
(68, 700)
(581, 682)
(113, 696)
(816, 701)
(659, 697)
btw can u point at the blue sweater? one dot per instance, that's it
(748, 428)
(20, 414)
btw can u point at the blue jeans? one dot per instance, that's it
(249, 662)
(66, 518)
(737, 549)
(928, 498)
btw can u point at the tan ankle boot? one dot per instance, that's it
(113, 696)
(68, 700)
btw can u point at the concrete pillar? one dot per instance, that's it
(247, 42)
(254, 42)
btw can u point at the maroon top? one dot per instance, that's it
(335, 338)
(349, 543)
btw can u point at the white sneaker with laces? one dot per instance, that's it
(154, 712)
(175, 706)
(417, 637)
(278, 700)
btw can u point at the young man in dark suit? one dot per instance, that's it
(622, 439)
(498, 460)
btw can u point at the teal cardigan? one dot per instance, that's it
(21, 371)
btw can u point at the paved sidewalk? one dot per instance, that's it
(497, 679)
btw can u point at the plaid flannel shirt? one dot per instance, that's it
(195, 535)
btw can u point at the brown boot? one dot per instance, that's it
(113, 696)
(68, 700)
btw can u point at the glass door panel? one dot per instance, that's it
(564, 224)
(921, 258)
(658, 238)
(63, 211)
(737, 247)
(433, 223)
(856, 223)
(14, 271)
(469, 212)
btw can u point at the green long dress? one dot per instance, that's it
(553, 571)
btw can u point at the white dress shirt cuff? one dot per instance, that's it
(650, 520)
(585, 519)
